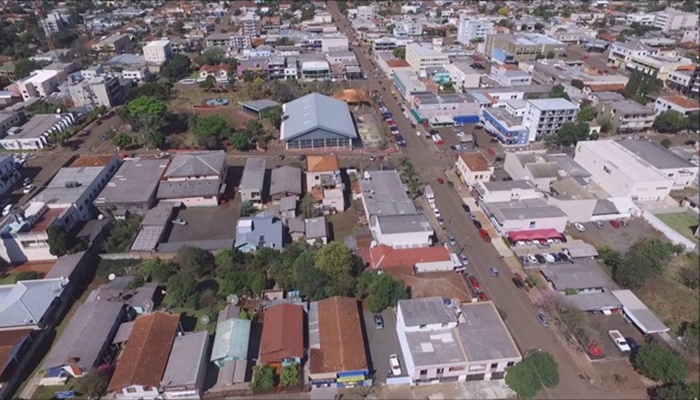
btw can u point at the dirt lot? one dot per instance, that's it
(617, 239)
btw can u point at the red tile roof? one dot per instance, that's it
(146, 352)
(342, 346)
(322, 164)
(282, 334)
(383, 256)
(91, 161)
(214, 68)
(683, 102)
(397, 63)
(8, 341)
(607, 87)
(430, 284)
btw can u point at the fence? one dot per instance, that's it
(670, 234)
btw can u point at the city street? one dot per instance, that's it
(521, 321)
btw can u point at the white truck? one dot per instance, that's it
(429, 194)
(619, 341)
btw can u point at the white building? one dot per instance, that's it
(674, 20)
(507, 75)
(646, 19)
(682, 171)
(157, 51)
(421, 56)
(445, 341)
(621, 173)
(365, 12)
(36, 133)
(545, 116)
(9, 174)
(404, 29)
(39, 84)
(681, 104)
(470, 28)
(463, 76)
(334, 41)
(474, 167)
(101, 90)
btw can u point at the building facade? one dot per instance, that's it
(545, 116)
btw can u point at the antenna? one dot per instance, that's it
(111, 277)
(204, 319)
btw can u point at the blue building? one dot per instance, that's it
(505, 127)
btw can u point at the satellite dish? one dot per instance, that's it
(111, 277)
(204, 319)
(232, 299)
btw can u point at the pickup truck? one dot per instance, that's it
(619, 341)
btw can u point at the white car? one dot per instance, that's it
(437, 213)
(7, 209)
(395, 365)
(532, 259)
(28, 188)
(579, 227)
(180, 222)
(548, 257)
(417, 133)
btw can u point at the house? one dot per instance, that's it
(253, 181)
(421, 259)
(336, 344)
(681, 104)
(87, 338)
(14, 344)
(502, 191)
(324, 182)
(140, 300)
(285, 181)
(317, 121)
(187, 367)
(195, 178)
(296, 228)
(581, 275)
(626, 115)
(316, 230)
(288, 207)
(445, 341)
(140, 367)
(231, 341)
(474, 167)
(543, 169)
(153, 227)
(261, 230)
(132, 189)
(30, 304)
(217, 71)
(282, 341)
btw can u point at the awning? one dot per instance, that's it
(534, 234)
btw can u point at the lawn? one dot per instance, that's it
(48, 392)
(344, 223)
(684, 223)
(7, 279)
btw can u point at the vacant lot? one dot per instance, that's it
(684, 223)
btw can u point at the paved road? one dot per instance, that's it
(520, 313)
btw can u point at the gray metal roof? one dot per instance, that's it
(316, 228)
(523, 209)
(253, 174)
(507, 185)
(628, 107)
(402, 223)
(654, 154)
(384, 193)
(435, 348)
(205, 163)
(184, 364)
(639, 313)
(87, 332)
(134, 182)
(288, 203)
(262, 230)
(581, 249)
(259, 105)
(193, 188)
(158, 215)
(26, 302)
(148, 238)
(316, 111)
(594, 301)
(56, 191)
(604, 207)
(65, 265)
(285, 179)
(483, 334)
(582, 274)
(426, 311)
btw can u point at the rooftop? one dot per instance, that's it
(475, 161)
(523, 209)
(655, 154)
(40, 125)
(285, 179)
(134, 182)
(40, 76)
(282, 334)
(313, 112)
(507, 185)
(683, 102)
(383, 193)
(322, 163)
(553, 104)
(582, 274)
(253, 174)
(618, 157)
(25, 303)
(232, 339)
(389, 224)
(261, 230)
(384, 256)
(628, 107)
(483, 334)
(425, 50)
(189, 164)
(184, 363)
(68, 185)
(426, 311)
(439, 347)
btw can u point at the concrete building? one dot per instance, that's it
(9, 173)
(474, 167)
(545, 116)
(626, 115)
(196, 179)
(132, 189)
(543, 169)
(505, 191)
(407, 83)
(681, 171)
(157, 51)
(115, 44)
(508, 75)
(621, 173)
(560, 73)
(448, 108)
(472, 29)
(317, 121)
(569, 195)
(680, 104)
(186, 369)
(508, 48)
(524, 215)
(253, 181)
(38, 84)
(334, 41)
(686, 82)
(671, 19)
(445, 341)
(365, 12)
(463, 76)
(421, 56)
(324, 182)
(98, 91)
(622, 52)
(506, 123)
(36, 133)
(55, 22)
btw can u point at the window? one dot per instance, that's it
(440, 370)
(494, 365)
(510, 364)
(131, 390)
(444, 325)
(424, 372)
(421, 326)
(532, 224)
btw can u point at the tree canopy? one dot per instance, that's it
(558, 92)
(211, 130)
(178, 67)
(382, 291)
(670, 122)
(400, 52)
(587, 113)
(644, 259)
(660, 363)
(263, 378)
(536, 369)
(197, 261)
(678, 391)
(569, 134)
(214, 56)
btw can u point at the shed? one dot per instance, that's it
(639, 313)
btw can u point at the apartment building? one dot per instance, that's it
(463, 76)
(509, 75)
(39, 83)
(9, 174)
(8, 119)
(115, 44)
(250, 24)
(626, 115)
(680, 104)
(55, 22)
(158, 51)
(405, 29)
(645, 19)
(98, 91)
(421, 56)
(506, 123)
(686, 82)
(671, 19)
(659, 65)
(365, 12)
(622, 52)
(472, 29)
(544, 117)
(508, 48)
(218, 40)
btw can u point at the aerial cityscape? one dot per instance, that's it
(321, 199)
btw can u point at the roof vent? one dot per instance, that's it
(72, 184)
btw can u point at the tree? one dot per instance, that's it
(605, 125)
(64, 39)
(308, 206)
(400, 52)
(569, 134)
(247, 209)
(678, 391)
(25, 66)
(214, 56)
(670, 122)
(195, 260)
(160, 90)
(181, 288)
(122, 234)
(666, 143)
(58, 242)
(660, 363)
(179, 27)
(550, 54)
(693, 124)
(503, 11)
(587, 113)
(610, 257)
(122, 140)
(94, 383)
(523, 380)
(240, 141)
(290, 375)
(691, 336)
(337, 262)
(208, 83)
(146, 113)
(546, 368)
(263, 378)
(159, 271)
(558, 92)
(27, 276)
(644, 259)
(177, 68)
(274, 115)
(210, 130)
(384, 291)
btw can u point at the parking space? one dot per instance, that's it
(619, 239)
(602, 324)
(383, 343)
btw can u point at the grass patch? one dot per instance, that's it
(344, 223)
(48, 392)
(122, 234)
(684, 223)
(116, 267)
(8, 279)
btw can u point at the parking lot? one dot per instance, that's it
(619, 239)
(383, 343)
(602, 324)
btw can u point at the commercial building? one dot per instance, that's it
(407, 83)
(132, 189)
(621, 173)
(524, 215)
(196, 178)
(449, 108)
(317, 121)
(686, 82)
(626, 115)
(365, 12)
(543, 169)
(101, 90)
(407, 29)
(38, 84)
(680, 104)
(508, 75)
(334, 41)
(463, 76)
(444, 341)
(474, 167)
(253, 181)
(55, 22)
(157, 51)
(472, 29)
(559, 73)
(505, 191)
(622, 52)
(681, 171)
(506, 123)
(581, 275)
(545, 116)
(421, 56)
(37, 133)
(637, 56)
(115, 44)
(509, 48)
(670, 20)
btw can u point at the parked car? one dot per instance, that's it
(441, 181)
(614, 223)
(548, 257)
(540, 259)
(623, 223)
(433, 132)
(450, 184)
(282, 157)
(394, 364)
(518, 283)
(7, 209)
(472, 216)
(491, 151)
(598, 224)
(437, 213)
(463, 258)
(180, 222)
(28, 188)
(378, 322)
(532, 259)
(452, 240)
(493, 271)
(556, 257)
(544, 321)
(579, 227)
(466, 208)
(477, 224)
(475, 283)
(27, 181)
(441, 221)
(373, 158)
(564, 257)
(619, 341)
(485, 235)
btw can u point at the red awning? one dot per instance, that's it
(535, 234)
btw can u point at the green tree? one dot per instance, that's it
(385, 291)
(177, 68)
(93, 384)
(691, 336)
(27, 276)
(214, 56)
(290, 375)
(546, 368)
(660, 363)
(122, 140)
(400, 52)
(693, 121)
(274, 116)
(197, 261)
(337, 262)
(210, 130)
(666, 143)
(611, 258)
(208, 83)
(558, 92)
(587, 113)
(503, 11)
(258, 284)
(678, 391)
(64, 39)
(522, 379)
(159, 271)
(122, 234)
(25, 66)
(263, 378)
(58, 242)
(644, 259)
(308, 207)
(247, 209)
(569, 134)
(550, 54)
(240, 141)
(181, 289)
(670, 122)
(146, 113)
(160, 90)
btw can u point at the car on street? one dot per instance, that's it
(452, 240)
(579, 227)
(477, 224)
(395, 365)
(491, 151)
(475, 283)
(378, 322)
(413, 125)
(28, 188)
(441, 181)
(437, 213)
(417, 133)
(180, 222)
(556, 256)
(493, 271)
(518, 282)
(302, 157)
(450, 184)
(463, 258)
(623, 223)
(544, 321)
(564, 257)
(281, 157)
(598, 224)
(27, 181)
(373, 158)
(483, 296)
(614, 223)
(441, 221)
(466, 208)
(485, 235)
(433, 132)
(103, 138)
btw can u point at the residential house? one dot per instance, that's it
(31, 304)
(187, 365)
(626, 115)
(680, 104)
(140, 300)
(474, 167)
(261, 230)
(316, 230)
(282, 341)
(132, 189)
(14, 345)
(219, 72)
(420, 259)
(581, 276)
(285, 181)
(231, 341)
(252, 182)
(324, 182)
(195, 178)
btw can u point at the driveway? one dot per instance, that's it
(603, 324)
(383, 343)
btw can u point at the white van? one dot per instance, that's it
(428, 192)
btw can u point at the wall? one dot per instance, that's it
(434, 266)
(558, 223)
(672, 235)
(403, 240)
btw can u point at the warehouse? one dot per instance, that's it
(317, 121)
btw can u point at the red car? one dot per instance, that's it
(474, 282)
(426, 124)
(491, 151)
(390, 122)
(483, 296)
(614, 223)
(441, 181)
(485, 235)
